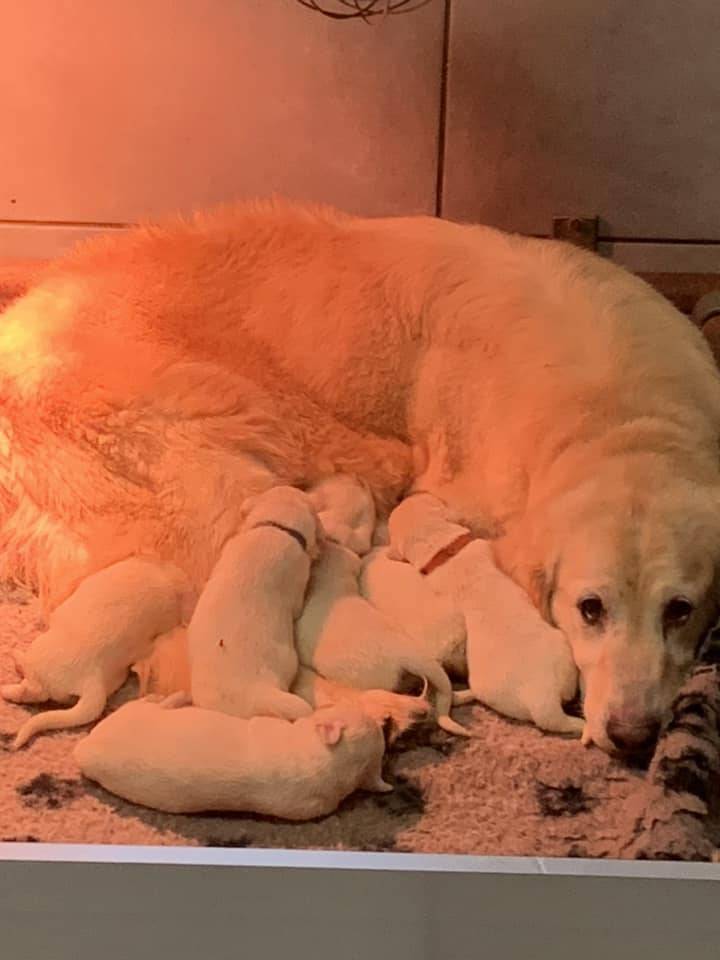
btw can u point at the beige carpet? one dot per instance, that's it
(511, 791)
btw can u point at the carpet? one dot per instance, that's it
(511, 790)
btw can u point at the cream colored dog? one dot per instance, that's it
(183, 759)
(547, 394)
(517, 663)
(240, 637)
(344, 638)
(93, 638)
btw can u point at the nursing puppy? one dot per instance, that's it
(183, 759)
(433, 619)
(346, 511)
(542, 385)
(107, 624)
(517, 663)
(240, 637)
(166, 671)
(344, 638)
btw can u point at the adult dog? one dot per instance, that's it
(153, 380)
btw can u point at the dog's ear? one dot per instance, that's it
(541, 588)
(248, 504)
(329, 731)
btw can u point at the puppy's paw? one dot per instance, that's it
(23, 692)
(175, 700)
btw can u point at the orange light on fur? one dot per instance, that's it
(26, 335)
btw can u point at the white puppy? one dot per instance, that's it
(517, 663)
(240, 637)
(346, 511)
(183, 759)
(402, 593)
(107, 624)
(344, 638)
(166, 670)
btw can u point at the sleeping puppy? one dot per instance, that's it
(166, 670)
(108, 623)
(346, 511)
(433, 619)
(240, 638)
(517, 663)
(183, 759)
(344, 638)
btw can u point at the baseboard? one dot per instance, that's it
(43, 241)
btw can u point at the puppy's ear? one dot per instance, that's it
(329, 731)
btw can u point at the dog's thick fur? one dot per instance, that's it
(546, 395)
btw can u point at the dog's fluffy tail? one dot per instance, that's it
(434, 673)
(88, 708)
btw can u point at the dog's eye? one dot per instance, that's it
(592, 610)
(677, 612)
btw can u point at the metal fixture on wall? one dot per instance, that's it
(365, 10)
(580, 231)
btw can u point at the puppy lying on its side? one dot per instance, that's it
(346, 511)
(93, 638)
(184, 759)
(517, 663)
(344, 638)
(240, 637)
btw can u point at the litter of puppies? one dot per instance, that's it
(277, 691)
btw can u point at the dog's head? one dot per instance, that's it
(631, 582)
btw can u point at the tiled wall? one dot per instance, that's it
(110, 112)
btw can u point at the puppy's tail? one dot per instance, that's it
(88, 708)
(434, 674)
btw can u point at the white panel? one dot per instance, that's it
(117, 111)
(41, 241)
(580, 107)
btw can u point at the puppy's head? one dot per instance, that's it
(631, 583)
(347, 511)
(421, 527)
(287, 506)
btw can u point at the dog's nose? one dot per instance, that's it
(633, 738)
